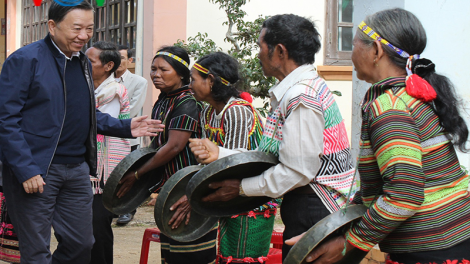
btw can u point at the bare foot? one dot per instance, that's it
(152, 202)
(153, 199)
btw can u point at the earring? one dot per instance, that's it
(182, 78)
(376, 64)
(211, 88)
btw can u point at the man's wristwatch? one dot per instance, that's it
(240, 191)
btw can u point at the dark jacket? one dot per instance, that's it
(32, 110)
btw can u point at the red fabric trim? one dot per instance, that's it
(231, 259)
(266, 213)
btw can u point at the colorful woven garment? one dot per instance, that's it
(9, 250)
(333, 180)
(243, 238)
(111, 150)
(179, 110)
(246, 236)
(229, 127)
(411, 178)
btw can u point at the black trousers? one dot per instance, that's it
(300, 212)
(102, 251)
(65, 205)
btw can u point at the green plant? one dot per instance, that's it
(243, 35)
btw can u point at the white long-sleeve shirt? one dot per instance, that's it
(307, 133)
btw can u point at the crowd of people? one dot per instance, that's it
(67, 118)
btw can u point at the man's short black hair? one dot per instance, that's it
(109, 52)
(57, 12)
(126, 48)
(297, 34)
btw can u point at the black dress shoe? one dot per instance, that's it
(125, 219)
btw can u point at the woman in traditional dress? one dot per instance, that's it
(178, 110)
(411, 179)
(111, 98)
(230, 120)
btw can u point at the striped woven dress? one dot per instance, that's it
(111, 150)
(243, 238)
(178, 110)
(411, 179)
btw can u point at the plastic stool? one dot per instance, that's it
(275, 253)
(150, 234)
(153, 234)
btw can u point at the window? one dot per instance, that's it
(34, 21)
(116, 21)
(339, 32)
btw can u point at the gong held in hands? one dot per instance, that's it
(237, 166)
(326, 229)
(171, 192)
(142, 188)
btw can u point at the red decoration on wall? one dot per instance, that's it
(37, 2)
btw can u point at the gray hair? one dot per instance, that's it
(399, 27)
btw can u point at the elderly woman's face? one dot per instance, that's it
(200, 86)
(163, 76)
(362, 60)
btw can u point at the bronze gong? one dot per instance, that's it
(171, 192)
(237, 166)
(142, 188)
(327, 228)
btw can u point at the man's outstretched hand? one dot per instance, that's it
(140, 126)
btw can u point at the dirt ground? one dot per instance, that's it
(128, 239)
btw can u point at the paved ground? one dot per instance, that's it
(128, 239)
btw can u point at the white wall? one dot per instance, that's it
(447, 27)
(203, 16)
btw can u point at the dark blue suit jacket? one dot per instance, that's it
(32, 109)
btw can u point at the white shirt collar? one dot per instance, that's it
(123, 76)
(306, 71)
(74, 54)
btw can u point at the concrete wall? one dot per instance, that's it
(363, 8)
(446, 24)
(447, 28)
(164, 23)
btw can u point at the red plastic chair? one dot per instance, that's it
(150, 234)
(153, 234)
(275, 253)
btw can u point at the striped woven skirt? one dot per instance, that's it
(200, 251)
(9, 250)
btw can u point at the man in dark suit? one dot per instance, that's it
(48, 126)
